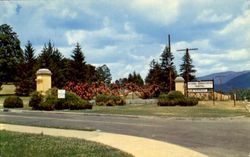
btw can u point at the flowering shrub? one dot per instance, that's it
(88, 91)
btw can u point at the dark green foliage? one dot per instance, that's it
(51, 101)
(79, 70)
(132, 78)
(242, 94)
(103, 74)
(174, 98)
(90, 73)
(27, 72)
(13, 102)
(48, 105)
(135, 78)
(168, 69)
(105, 100)
(173, 95)
(53, 60)
(11, 54)
(77, 65)
(163, 73)
(163, 96)
(35, 100)
(80, 104)
(155, 73)
(187, 69)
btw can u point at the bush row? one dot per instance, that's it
(13, 102)
(174, 98)
(105, 100)
(51, 102)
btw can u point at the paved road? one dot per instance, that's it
(214, 137)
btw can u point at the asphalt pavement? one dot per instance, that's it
(215, 137)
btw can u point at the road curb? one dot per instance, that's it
(72, 113)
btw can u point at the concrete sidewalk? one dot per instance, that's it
(139, 147)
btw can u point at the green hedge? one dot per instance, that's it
(175, 98)
(13, 102)
(105, 100)
(51, 102)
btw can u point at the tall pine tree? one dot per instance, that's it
(135, 78)
(26, 78)
(78, 65)
(168, 70)
(155, 74)
(52, 59)
(186, 68)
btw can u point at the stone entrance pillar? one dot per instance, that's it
(180, 84)
(43, 80)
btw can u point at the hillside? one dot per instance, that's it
(225, 76)
(239, 82)
(230, 80)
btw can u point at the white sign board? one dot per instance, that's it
(201, 85)
(61, 94)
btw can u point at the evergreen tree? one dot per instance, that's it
(78, 65)
(103, 74)
(26, 78)
(90, 73)
(155, 74)
(11, 54)
(168, 70)
(135, 78)
(52, 59)
(187, 69)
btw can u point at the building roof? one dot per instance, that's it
(43, 72)
(179, 79)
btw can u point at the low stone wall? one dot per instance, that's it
(141, 101)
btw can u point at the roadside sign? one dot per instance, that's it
(61, 94)
(201, 85)
(205, 86)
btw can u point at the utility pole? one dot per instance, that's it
(187, 50)
(170, 71)
(220, 77)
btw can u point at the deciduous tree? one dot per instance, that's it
(11, 54)
(103, 74)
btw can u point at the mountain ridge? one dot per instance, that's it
(229, 80)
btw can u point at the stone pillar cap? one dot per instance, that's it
(179, 79)
(43, 72)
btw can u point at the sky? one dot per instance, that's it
(127, 35)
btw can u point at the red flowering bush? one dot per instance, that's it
(88, 91)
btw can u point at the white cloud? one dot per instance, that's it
(107, 32)
(209, 16)
(237, 32)
(160, 11)
(7, 10)
(115, 32)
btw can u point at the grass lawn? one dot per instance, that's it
(14, 144)
(203, 109)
